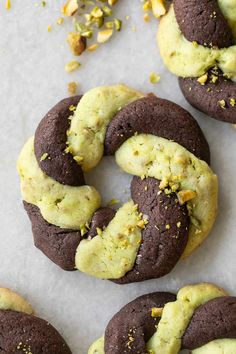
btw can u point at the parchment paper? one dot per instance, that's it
(32, 81)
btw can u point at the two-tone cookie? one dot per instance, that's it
(197, 41)
(201, 318)
(173, 192)
(23, 332)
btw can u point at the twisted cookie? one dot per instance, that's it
(173, 193)
(201, 318)
(22, 332)
(197, 41)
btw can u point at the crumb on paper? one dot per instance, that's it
(72, 66)
(72, 87)
(154, 78)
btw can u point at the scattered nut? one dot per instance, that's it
(93, 47)
(154, 78)
(8, 4)
(72, 88)
(104, 35)
(76, 42)
(72, 66)
(186, 195)
(70, 8)
(158, 8)
(157, 311)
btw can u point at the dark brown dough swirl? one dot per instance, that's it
(23, 333)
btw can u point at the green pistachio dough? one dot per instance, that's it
(187, 59)
(174, 321)
(148, 155)
(91, 118)
(177, 315)
(61, 205)
(219, 346)
(97, 347)
(112, 253)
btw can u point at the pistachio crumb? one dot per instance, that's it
(186, 195)
(72, 66)
(222, 104)
(76, 42)
(104, 35)
(93, 47)
(157, 311)
(70, 8)
(44, 156)
(203, 79)
(8, 4)
(158, 8)
(72, 88)
(154, 78)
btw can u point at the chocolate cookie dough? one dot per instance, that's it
(197, 43)
(23, 332)
(162, 222)
(199, 318)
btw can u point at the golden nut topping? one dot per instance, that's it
(186, 195)
(158, 8)
(76, 42)
(72, 88)
(157, 311)
(70, 8)
(104, 35)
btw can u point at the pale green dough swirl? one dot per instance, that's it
(177, 315)
(152, 156)
(218, 346)
(61, 205)
(91, 118)
(112, 253)
(186, 59)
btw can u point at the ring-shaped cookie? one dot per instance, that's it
(197, 41)
(23, 332)
(174, 192)
(201, 319)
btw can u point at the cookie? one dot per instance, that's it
(197, 43)
(161, 223)
(200, 318)
(23, 332)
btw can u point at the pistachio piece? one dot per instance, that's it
(104, 35)
(158, 8)
(71, 66)
(186, 195)
(76, 42)
(70, 8)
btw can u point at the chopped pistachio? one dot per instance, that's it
(104, 35)
(222, 104)
(117, 24)
(99, 231)
(203, 79)
(70, 8)
(78, 159)
(60, 20)
(157, 311)
(87, 33)
(147, 5)
(44, 156)
(232, 102)
(43, 3)
(178, 224)
(154, 78)
(158, 8)
(72, 88)
(8, 4)
(112, 2)
(93, 47)
(146, 17)
(96, 12)
(76, 42)
(107, 11)
(49, 28)
(186, 195)
(168, 227)
(195, 44)
(72, 65)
